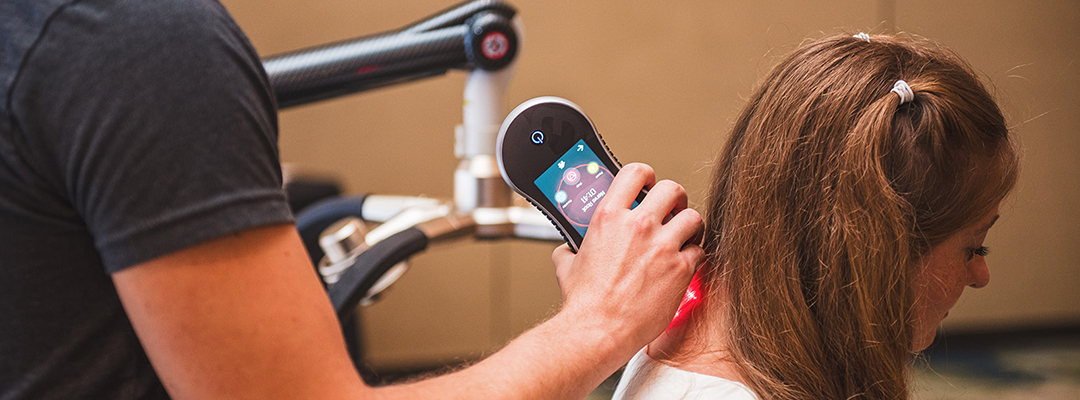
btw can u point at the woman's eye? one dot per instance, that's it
(981, 251)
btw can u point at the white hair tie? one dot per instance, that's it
(902, 89)
(863, 36)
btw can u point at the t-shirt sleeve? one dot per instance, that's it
(155, 123)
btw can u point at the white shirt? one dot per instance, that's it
(648, 379)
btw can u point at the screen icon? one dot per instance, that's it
(538, 137)
(572, 176)
(560, 196)
(593, 168)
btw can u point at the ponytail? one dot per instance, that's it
(831, 187)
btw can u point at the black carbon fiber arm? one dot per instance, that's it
(469, 35)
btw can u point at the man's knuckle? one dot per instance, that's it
(679, 189)
(640, 169)
(604, 211)
(671, 185)
(636, 167)
(640, 223)
(692, 215)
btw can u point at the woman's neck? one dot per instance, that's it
(698, 347)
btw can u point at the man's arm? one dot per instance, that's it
(619, 292)
(244, 316)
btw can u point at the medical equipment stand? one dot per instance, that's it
(482, 37)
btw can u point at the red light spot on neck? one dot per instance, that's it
(691, 299)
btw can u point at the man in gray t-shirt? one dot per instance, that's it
(130, 130)
(146, 244)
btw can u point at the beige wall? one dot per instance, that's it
(662, 81)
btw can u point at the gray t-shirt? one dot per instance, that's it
(129, 129)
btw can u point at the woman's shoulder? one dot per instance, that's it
(647, 379)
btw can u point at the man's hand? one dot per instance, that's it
(634, 265)
(619, 292)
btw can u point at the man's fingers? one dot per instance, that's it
(694, 255)
(664, 198)
(562, 257)
(628, 183)
(686, 226)
(562, 254)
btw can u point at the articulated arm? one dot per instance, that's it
(477, 34)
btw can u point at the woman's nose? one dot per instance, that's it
(980, 273)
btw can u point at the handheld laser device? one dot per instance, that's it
(549, 152)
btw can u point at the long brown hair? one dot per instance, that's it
(823, 200)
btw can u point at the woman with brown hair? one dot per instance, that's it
(847, 214)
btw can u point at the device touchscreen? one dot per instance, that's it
(576, 183)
